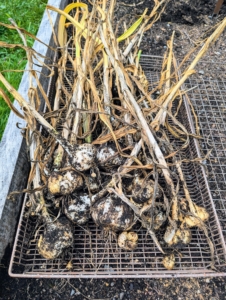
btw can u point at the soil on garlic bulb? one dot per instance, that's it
(181, 238)
(56, 238)
(83, 157)
(142, 190)
(169, 261)
(64, 184)
(107, 156)
(111, 213)
(93, 183)
(77, 208)
(128, 240)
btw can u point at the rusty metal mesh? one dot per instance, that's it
(95, 257)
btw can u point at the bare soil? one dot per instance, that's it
(191, 21)
(112, 289)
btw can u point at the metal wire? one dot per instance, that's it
(92, 256)
(209, 100)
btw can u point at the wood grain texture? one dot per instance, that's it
(218, 7)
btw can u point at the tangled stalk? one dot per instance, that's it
(103, 148)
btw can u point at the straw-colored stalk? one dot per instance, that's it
(190, 70)
(33, 138)
(168, 71)
(146, 132)
(30, 114)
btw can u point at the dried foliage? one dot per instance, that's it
(106, 137)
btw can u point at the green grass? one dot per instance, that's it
(28, 15)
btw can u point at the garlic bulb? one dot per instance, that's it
(77, 208)
(56, 238)
(128, 240)
(83, 157)
(64, 184)
(93, 184)
(112, 213)
(107, 156)
(200, 215)
(169, 261)
(142, 190)
(182, 237)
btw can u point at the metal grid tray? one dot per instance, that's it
(208, 96)
(93, 257)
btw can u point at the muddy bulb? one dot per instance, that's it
(169, 261)
(93, 184)
(83, 157)
(64, 184)
(106, 156)
(142, 190)
(111, 213)
(56, 238)
(200, 215)
(182, 237)
(54, 183)
(128, 240)
(77, 208)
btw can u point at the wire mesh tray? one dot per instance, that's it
(208, 96)
(93, 257)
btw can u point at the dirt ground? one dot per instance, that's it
(112, 289)
(191, 21)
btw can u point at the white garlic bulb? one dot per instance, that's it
(77, 208)
(107, 156)
(64, 184)
(83, 157)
